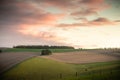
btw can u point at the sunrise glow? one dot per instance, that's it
(77, 23)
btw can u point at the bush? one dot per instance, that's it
(46, 52)
(0, 51)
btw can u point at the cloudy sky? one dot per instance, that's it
(78, 23)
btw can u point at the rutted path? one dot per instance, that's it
(8, 60)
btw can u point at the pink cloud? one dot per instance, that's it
(72, 25)
(117, 20)
(100, 4)
(62, 4)
(102, 21)
(32, 12)
(90, 2)
(83, 12)
(43, 19)
(89, 7)
(76, 7)
(40, 32)
(97, 22)
(36, 15)
(25, 12)
(72, 4)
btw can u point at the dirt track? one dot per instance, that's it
(8, 60)
(84, 57)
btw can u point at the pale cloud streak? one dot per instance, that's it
(87, 12)
(93, 23)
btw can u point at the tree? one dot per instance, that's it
(46, 52)
(0, 51)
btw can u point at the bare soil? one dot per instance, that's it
(84, 57)
(8, 60)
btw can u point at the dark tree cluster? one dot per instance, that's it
(0, 51)
(43, 47)
(46, 52)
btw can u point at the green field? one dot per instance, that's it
(38, 50)
(45, 69)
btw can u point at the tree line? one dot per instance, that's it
(43, 47)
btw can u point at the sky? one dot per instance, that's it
(77, 23)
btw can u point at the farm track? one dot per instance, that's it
(8, 60)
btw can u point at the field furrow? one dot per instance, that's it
(8, 60)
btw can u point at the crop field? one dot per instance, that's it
(12, 56)
(84, 57)
(8, 60)
(46, 69)
(77, 65)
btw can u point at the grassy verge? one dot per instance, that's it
(38, 50)
(45, 69)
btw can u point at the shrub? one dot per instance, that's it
(46, 52)
(0, 51)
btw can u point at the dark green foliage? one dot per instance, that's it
(0, 51)
(43, 47)
(46, 52)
